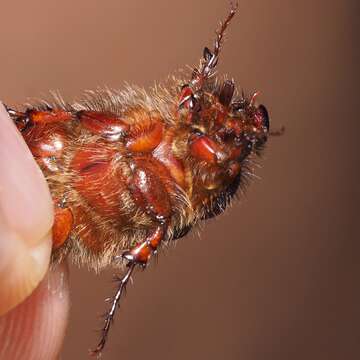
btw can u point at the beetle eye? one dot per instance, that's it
(265, 117)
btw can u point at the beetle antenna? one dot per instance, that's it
(223, 26)
(109, 317)
(210, 59)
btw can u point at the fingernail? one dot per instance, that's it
(25, 201)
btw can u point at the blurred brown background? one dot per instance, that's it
(277, 276)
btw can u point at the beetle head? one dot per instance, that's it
(225, 127)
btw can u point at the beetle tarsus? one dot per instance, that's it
(114, 305)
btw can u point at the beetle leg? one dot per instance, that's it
(115, 302)
(150, 195)
(138, 255)
(141, 253)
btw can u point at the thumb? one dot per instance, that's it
(26, 216)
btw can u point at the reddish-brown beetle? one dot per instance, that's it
(131, 170)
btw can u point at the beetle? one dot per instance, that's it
(129, 171)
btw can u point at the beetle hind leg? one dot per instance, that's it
(109, 317)
(138, 255)
(150, 195)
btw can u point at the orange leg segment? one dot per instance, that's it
(63, 224)
(140, 254)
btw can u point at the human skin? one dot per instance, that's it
(34, 301)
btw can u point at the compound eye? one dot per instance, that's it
(264, 117)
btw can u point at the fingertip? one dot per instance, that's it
(37, 326)
(25, 200)
(26, 216)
